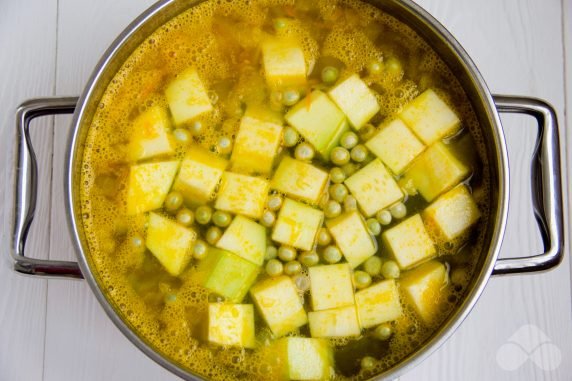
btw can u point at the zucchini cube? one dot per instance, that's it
(245, 238)
(435, 171)
(231, 325)
(279, 304)
(423, 288)
(187, 97)
(241, 194)
(299, 180)
(331, 286)
(257, 141)
(170, 242)
(395, 145)
(150, 137)
(409, 242)
(299, 358)
(335, 322)
(318, 120)
(430, 117)
(374, 188)
(356, 100)
(378, 304)
(227, 274)
(284, 63)
(352, 237)
(200, 173)
(297, 225)
(451, 215)
(148, 185)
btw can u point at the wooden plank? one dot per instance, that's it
(517, 45)
(26, 33)
(81, 342)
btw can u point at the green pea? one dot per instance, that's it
(309, 258)
(271, 252)
(373, 265)
(330, 75)
(292, 268)
(332, 209)
(290, 97)
(324, 237)
(287, 253)
(200, 249)
(268, 218)
(213, 235)
(375, 68)
(384, 217)
(280, 23)
(173, 201)
(390, 270)
(367, 362)
(332, 254)
(359, 153)
(338, 192)
(373, 226)
(350, 203)
(274, 267)
(393, 67)
(382, 331)
(337, 175)
(304, 151)
(274, 202)
(302, 282)
(196, 127)
(340, 156)
(361, 279)
(185, 217)
(181, 135)
(398, 210)
(221, 219)
(137, 243)
(349, 140)
(203, 214)
(224, 145)
(290, 137)
(350, 168)
(367, 131)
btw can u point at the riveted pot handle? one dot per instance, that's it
(546, 186)
(27, 189)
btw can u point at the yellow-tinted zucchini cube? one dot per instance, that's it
(227, 274)
(245, 238)
(318, 120)
(297, 225)
(241, 194)
(335, 322)
(331, 286)
(284, 63)
(299, 180)
(423, 288)
(352, 237)
(148, 185)
(374, 188)
(451, 215)
(378, 304)
(170, 242)
(187, 97)
(200, 173)
(279, 304)
(430, 118)
(409, 242)
(231, 325)
(150, 136)
(395, 145)
(356, 100)
(435, 171)
(257, 141)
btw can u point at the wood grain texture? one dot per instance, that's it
(518, 47)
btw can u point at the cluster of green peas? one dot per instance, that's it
(185, 135)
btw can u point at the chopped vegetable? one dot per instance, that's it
(335, 322)
(356, 100)
(187, 97)
(297, 225)
(245, 238)
(378, 303)
(299, 180)
(231, 325)
(150, 137)
(149, 185)
(241, 194)
(352, 237)
(331, 286)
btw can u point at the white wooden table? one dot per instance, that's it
(55, 330)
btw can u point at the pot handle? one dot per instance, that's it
(546, 186)
(27, 189)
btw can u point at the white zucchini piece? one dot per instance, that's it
(299, 180)
(245, 238)
(284, 63)
(241, 194)
(378, 303)
(187, 97)
(356, 100)
(148, 185)
(231, 325)
(331, 286)
(150, 136)
(297, 225)
(335, 322)
(352, 237)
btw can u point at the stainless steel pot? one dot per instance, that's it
(545, 170)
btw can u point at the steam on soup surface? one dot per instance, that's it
(284, 190)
